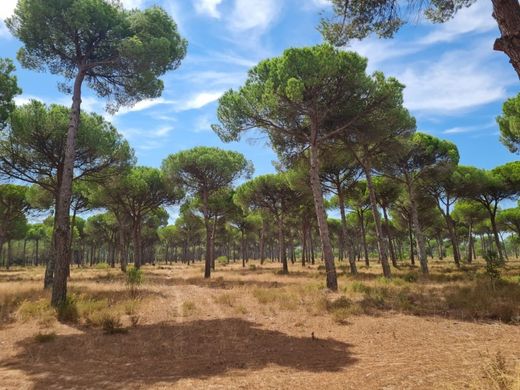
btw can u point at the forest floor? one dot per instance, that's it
(253, 328)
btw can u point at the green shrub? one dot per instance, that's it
(102, 266)
(360, 287)
(252, 267)
(111, 323)
(134, 280)
(410, 277)
(222, 260)
(493, 265)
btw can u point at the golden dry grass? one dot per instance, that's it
(254, 328)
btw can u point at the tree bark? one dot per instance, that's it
(321, 216)
(507, 15)
(62, 233)
(351, 260)
(419, 236)
(389, 237)
(364, 237)
(381, 243)
(281, 238)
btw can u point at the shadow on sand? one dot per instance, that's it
(165, 353)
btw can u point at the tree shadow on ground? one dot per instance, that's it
(165, 353)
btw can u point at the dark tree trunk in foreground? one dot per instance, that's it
(507, 15)
(62, 234)
(321, 216)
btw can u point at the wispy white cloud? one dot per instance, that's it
(379, 50)
(163, 131)
(256, 15)
(471, 129)
(198, 100)
(459, 81)
(475, 19)
(208, 7)
(144, 105)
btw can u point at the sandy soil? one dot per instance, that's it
(243, 344)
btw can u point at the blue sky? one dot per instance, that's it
(456, 83)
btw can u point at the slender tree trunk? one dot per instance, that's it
(207, 257)
(507, 15)
(262, 242)
(389, 237)
(492, 217)
(321, 216)
(470, 243)
(410, 234)
(281, 238)
(364, 237)
(37, 259)
(9, 257)
(450, 224)
(381, 243)
(419, 236)
(138, 252)
(341, 198)
(24, 251)
(304, 243)
(62, 252)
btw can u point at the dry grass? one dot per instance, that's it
(253, 328)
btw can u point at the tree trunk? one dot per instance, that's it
(37, 259)
(410, 234)
(61, 250)
(351, 260)
(419, 237)
(470, 243)
(281, 238)
(207, 257)
(389, 237)
(507, 15)
(321, 216)
(364, 237)
(381, 243)
(262, 242)
(9, 257)
(138, 252)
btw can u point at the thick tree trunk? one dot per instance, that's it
(341, 199)
(507, 15)
(381, 243)
(321, 216)
(62, 234)
(419, 236)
